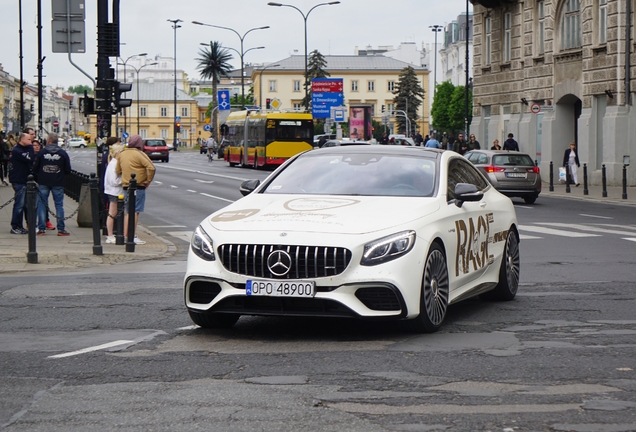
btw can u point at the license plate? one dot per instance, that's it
(287, 288)
(156, 153)
(516, 175)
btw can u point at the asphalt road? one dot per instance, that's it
(116, 350)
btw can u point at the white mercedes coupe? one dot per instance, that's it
(368, 232)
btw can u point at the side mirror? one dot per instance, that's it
(466, 192)
(248, 186)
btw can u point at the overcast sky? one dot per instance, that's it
(335, 30)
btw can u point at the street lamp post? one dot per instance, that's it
(123, 63)
(305, 16)
(467, 72)
(137, 85)
(435, 28)
(260, 84)
(241, 53)
(175, 26)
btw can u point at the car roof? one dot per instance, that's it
(382, 150)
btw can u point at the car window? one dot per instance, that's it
(155, 143)
(512, 159)
(460, 171)
(366, 174)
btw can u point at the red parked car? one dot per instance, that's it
(157, 149)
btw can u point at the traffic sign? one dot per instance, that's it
(207, 128)
(224, 100)
(338, 114)
(125, 135)
(275, 103)
(535, 108)
(326, 93)
(56, 123)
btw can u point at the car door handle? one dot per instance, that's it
(482, 204)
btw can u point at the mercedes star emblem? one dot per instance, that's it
(279, 263)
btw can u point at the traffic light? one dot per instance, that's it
(268, 103)
(177, 127)
(383, 108)
(118, 102)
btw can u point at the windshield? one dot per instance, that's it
(366, 174)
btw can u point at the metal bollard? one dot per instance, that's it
(551, 177)
(585, 190)
(567, 179)
(130, 240)
(624, 181)
(119, 221)
(95, 215)
(31, 201)
(604, 181)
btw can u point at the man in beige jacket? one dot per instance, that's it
(134, 160)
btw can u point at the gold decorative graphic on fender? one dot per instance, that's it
(472, 244)
(234, 215)
(500, 236)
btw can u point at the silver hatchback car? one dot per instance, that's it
(512, 173)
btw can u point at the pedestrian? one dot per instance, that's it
(211, 145)
(473, 144)
(37, 147)
(112, 189)
(433, 143)
(392, 141)
(495, 145)
(5, 152)
(50, 168)
(134, 160)
(460, 145)
(418, 139)
(571, 161)
(445, 141)
(510, 143)
(20, 164)
(385, 138)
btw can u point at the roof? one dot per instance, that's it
(346, 62)
(157, 91)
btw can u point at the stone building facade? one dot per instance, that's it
(557, 71)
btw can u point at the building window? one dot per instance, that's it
(370, 86)
(298, 106)
(272, 86)
(184, 111)
(354, 86)
(390, 107)
(487, 40)
(203, 116)
(184, 134)
(540, 27)
(164, 133)
(143, 133)
(571, 25)
(142, 111)
(391, 86)
(507, 37)
(164, 111)
(296, 85)
(602, 21)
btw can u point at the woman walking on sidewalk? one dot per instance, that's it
(571, 162)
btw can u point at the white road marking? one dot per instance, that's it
(204, 181)
(528, 237)
(158, 182)
(192, 327)
(586, 228)
(186, 236)
(91, 349)
(190, 190)
(596, 216)
(544, 230)
(174, 187)
(630, 239)
(204, 173)
(167, 226)
(216, 197)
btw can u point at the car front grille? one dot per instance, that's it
(306, 261)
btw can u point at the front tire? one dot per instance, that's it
(435, 293)
(506, 289)
(212, 320)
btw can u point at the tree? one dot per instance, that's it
(408, 97)
(449, 108)
(315, 69)
(213, 64)
(79, 89)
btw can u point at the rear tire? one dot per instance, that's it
(212, 320)
(434, 294)
(530, 199)
(506, 289)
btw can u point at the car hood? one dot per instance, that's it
(320, 213)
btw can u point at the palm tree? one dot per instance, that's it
(213, 64)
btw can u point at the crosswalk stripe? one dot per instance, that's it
(528, 237)
(587, 228)
(544, 230)
(630, 239)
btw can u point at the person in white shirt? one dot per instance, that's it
(112, 188)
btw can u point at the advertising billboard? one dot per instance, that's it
(360, 122)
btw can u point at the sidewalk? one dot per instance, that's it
(595, 193)
(74, 251)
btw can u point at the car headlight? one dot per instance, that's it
(202, 245)
(387, 248)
